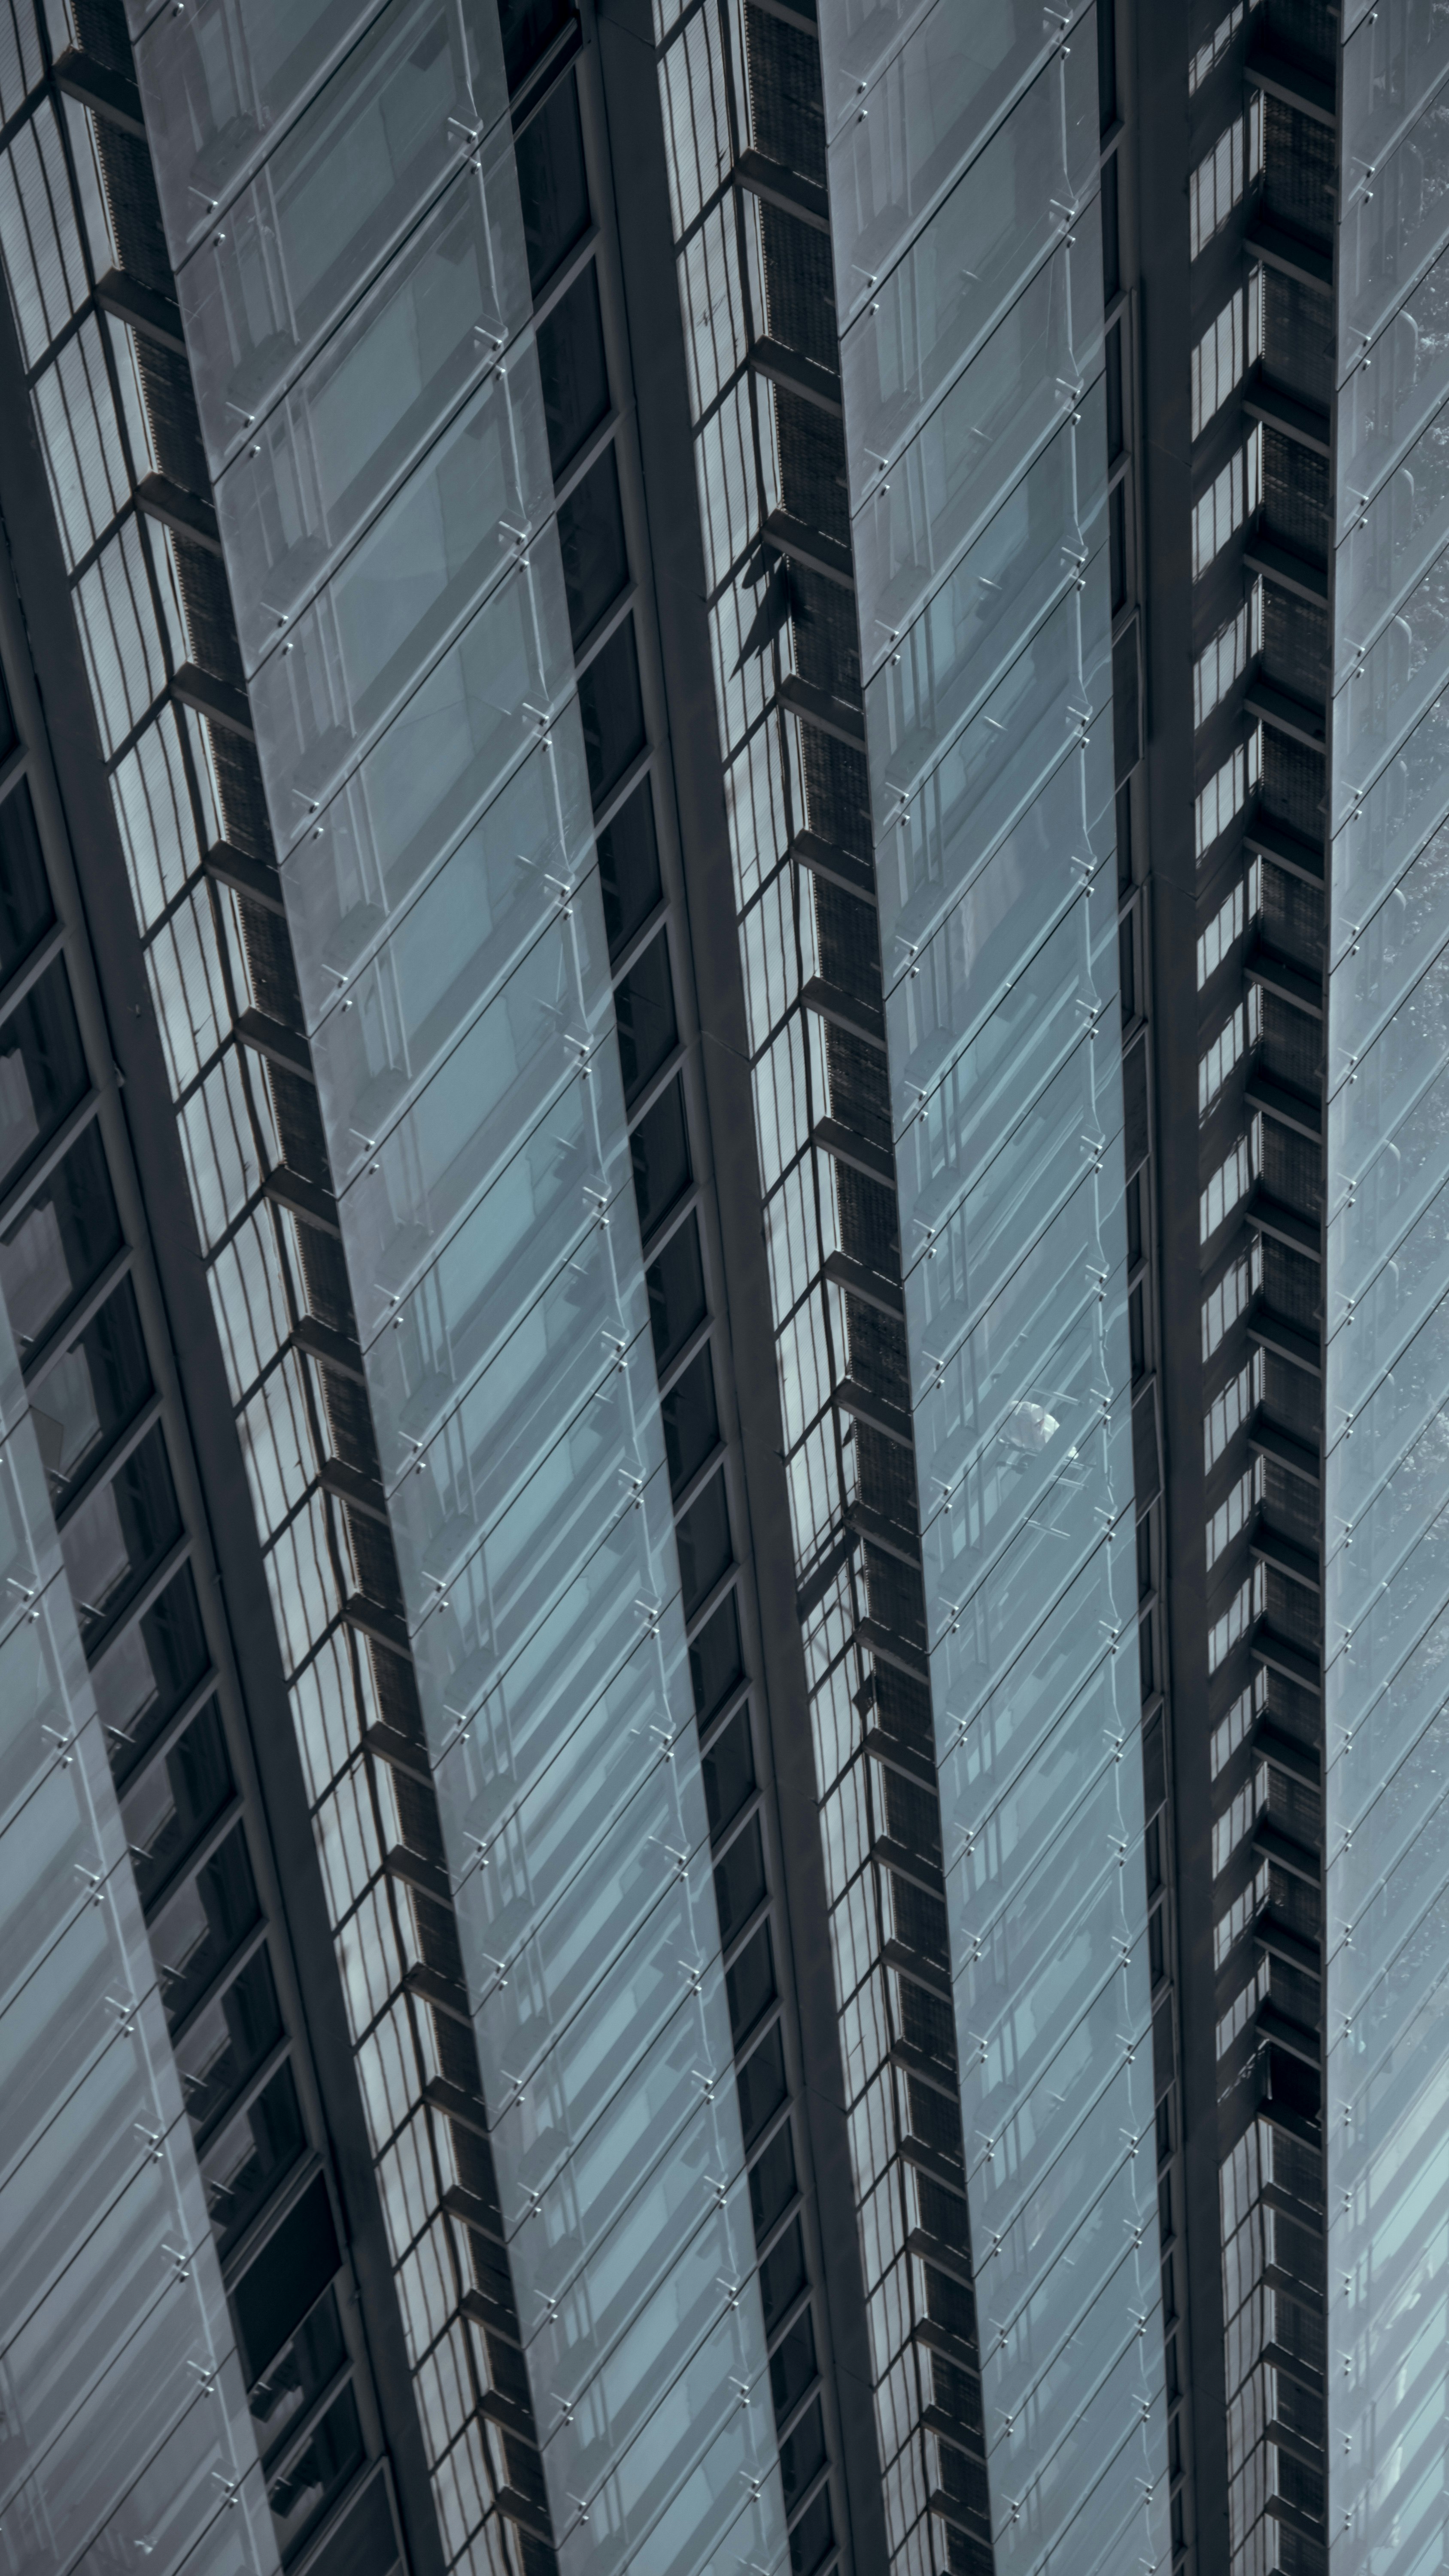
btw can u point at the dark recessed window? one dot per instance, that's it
(716, 1662)
(332, 2456)
(25, 906)
(60, 1243)
(761, 2082)
(226, 2043)
(573, 369)
(612, 709)
(782, 2274)
(772, 2182)
(119, 1534)
(42, 1069)
(529, 27)
(802, 2456)
(739, 1881)
(675, 1283)
(644, 1010)
(193, 1936)
(729, 1771)
(249, 2154)
(629, 878)
(277, 2292)
(591, 534)
(145, 1675)
(659, 1149)
(303, 2368)
(552, 183)
(90, 1392)
(691, 1421)
(750, 1985)
(792, 2366)
(705, 1550)
(174, 1801)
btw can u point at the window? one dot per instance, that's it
(612, 709)
(529, 27)
(629, 878)
(90, 1392)
(659, 1150)
(773, 2183)
(761, 2082)
(145, 1675)
(716, 1662)
(330, 2457)
(249, 2155)
(691, 1421)
(802, 2455)
(195, 1933)
(813, 2536)
(303, 2367)
(1232, 1517)
(595, 557)
(42, 1069)
(221, 2050)
(278, 2288)
(25, 906)
(1229, 1185)
(750, 1985)
(675, 1282)
(793, 2367)
(729, 1771)
(1230, 498)
(1227, 791)
(552, 183)
(1228, 348)
(706, 1552)
(60, 1243)
(1227, 657)
(1218, 182)
(573, 369)
(174, 1801)
(739, 1881)
(782, 2274)
(1228, 1411)
(1224, 929)
(644, 1011)
(117, 1536)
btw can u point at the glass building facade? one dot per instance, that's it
(719, 1149)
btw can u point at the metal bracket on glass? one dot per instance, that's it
(694, 1980)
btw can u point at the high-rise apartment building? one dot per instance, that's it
(724, 792)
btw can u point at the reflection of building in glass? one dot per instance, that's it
(703, 702)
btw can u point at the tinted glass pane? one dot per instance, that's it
(552, 183)
(629, 878)
(782, 2274)
(705, 1550)
(25, 906)
(228, 2041)
(529, 28)
(249, 2154)
(716, 1661)
(612, 710)
(90, 1392)
(675, 1282)
(750, 1984)
(644, 1009)
(595, 558)
(573, 369)
(802, 2455)
(761, 2082)
(277, 2291)
(60, 1243)
(729, 1770)
(772, 2182)
(174, 1801)
(117, 1536)
(148, 1671)
(331, 2457)
(196, 1932)
(659, 1149)
(691, 1421)
(42, 1069)
(813, 2536)
(792, 2365)
(301, 2370)
(739, 1881)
